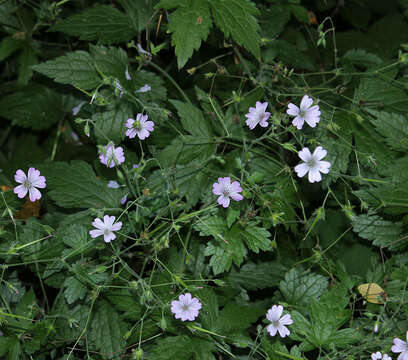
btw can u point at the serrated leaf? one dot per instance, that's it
(111, 123)
(192, 119)
(139, 12)
(110, 61)
(107, 331)
(300, 288)
(74, 290)
(35, 106)
(236, 19)
(237, 317)
(211, 226)
(220, 260)
(76, 236)
(256, 238)
(104, 23)
(393, 127)
(8, 46)
(257, 276)
(76, 68)
(76, 186)
(361, 57)
(382, 233)
(190, 24)
(125, 301)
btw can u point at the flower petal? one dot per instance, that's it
(21, 191)
(301, 169)
(305, 154)
(314, 175)
(286, 320)
(283, 331)
(272, 330)
(95, 233)
(319, 153)
(224, 201)
(20, 176)
(306, 102)
(292, 110)
(298, 122)
(34, 194)
(399, 346)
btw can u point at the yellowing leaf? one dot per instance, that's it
(372, 292)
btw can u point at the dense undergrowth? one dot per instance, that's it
(207, 198)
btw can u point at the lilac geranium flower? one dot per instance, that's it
(306, 112)
(105, 228)
(124, 199)
(313, 164)
(144, 88)
(379, 356)
(226, 190)
(113, 184)
(140, 127)
(186, 307)
(29, 183)
(258, 115)
(400, 347)
(277, 322)
(112, 156)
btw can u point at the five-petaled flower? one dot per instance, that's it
(312, 164)
(29, 183)
(140, 127)
(379, 356)
(306, 112)
(112, 156)
(226, 190)
(400, 347)
(186, 307)
(277, 322)
(105, 228)
(258, 115)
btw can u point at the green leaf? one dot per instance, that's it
(190, 24)
(256, 238)
(111, 123)
(139, 12)
(76, 236)
(76, 186)
(236, 19)
(26, 59)
(300, 287)
(8, 46)
(382, 233)
(360, 57)
(192, 119)
(104, 23)
(393, 127)
(257, 276)
(220, 260)
(76, 68)
(125, 301)
(36, 107)
(74, 290)
(110, 61)
(211, 226)
(237, 317)
(107, 331)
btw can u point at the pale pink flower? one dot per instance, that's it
(140, 127)
(306, 112)
(105, 228)
(258, 115)
(277, 322)
(379, 356)
(186, 307)
(29, 183)
(313, 164)
(112, 156)
(400, 347)
(227, 190)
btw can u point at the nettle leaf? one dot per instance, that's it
(257, 276)
(237, 317)
(211, 226)
(76, 68)
(192, 119)
(74, 290)
(110, 61)
(393, 127)
(381, 232)
(111, 123)
(104, 23)
(236, 19)
(36, 107)
(190, 24)
(220, 260)
(107, 331)
(139, 12)
(183, 347)
(360, 57)
(300, 287)
(75, 185)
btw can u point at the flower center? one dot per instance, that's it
(185, 307)
(302, 113)
(27, 184)
(225, 192)
(275, 323)
(311, 163)
(136, 125)
(106, 231)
